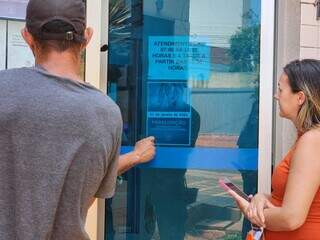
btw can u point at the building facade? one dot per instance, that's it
(199, 76)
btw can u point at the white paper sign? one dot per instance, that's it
(19, 54)
(3, 44)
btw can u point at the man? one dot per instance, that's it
(59, 137)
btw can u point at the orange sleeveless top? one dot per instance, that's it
(310, 230)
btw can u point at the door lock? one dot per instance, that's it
(104, 48)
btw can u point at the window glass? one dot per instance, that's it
(186, 72)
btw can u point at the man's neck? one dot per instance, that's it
(63, 65)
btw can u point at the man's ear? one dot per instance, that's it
(87, 36)
(301, 98)
(27, 37)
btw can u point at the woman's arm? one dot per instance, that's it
(302, 185)
(144, 151)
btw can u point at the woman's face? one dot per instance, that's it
(289, 102)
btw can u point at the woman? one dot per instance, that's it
(292, 211)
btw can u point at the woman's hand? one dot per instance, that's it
(145, 150)
(241, 202)
(254, 211)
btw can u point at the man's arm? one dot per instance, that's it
(143, 152)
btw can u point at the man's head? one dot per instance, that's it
(56, 25)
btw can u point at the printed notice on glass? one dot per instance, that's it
(3, 44)
(19, 53)
(13, 9)
(169, 113)
(179, 58)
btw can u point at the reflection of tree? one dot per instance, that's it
(120, 27)
(244, 49)
(245, 45)
(119, 24)
(245, 57)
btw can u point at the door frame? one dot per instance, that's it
(267, 45)
(96, 74)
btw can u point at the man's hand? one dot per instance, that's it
(145, 150)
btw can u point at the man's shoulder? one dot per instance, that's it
(100, 105)
(14, 71)
(110, 107)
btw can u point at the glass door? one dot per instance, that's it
(186, 72)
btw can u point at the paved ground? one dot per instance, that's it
(213, 215)
(221, 219)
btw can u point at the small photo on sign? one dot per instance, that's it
(169, 97)
(169, 113)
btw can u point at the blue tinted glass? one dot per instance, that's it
(186, 72)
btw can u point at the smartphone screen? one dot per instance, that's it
(226, 184)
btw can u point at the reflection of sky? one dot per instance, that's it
(218, 19)
(256, 7)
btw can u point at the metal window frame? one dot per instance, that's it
(267, 46)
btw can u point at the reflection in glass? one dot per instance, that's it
(186, 71)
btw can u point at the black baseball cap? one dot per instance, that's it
(42, 12)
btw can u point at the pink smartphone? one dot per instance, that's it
(226, 184)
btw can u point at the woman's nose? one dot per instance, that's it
(276, 96)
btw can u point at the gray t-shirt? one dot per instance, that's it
(59, 144)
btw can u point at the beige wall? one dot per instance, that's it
(298, 36)
(287, 49)
(310, 31)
